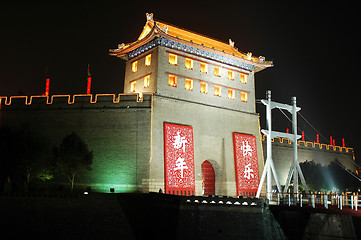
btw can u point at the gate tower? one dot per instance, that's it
(203, 109)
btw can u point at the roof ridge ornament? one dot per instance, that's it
(165, 29)
(120, 46)
(149, 17)
(231, 43)
(249, 56)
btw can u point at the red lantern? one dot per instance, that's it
(88, 85)
(47, 86)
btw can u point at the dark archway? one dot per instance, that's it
(208, 179)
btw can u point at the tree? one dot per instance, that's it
(23, 153)
(330, 177)
(72, 156)
(7, 151)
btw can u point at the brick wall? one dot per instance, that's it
(212, 129)
(165, 69)
(117, 132)
(282, 154)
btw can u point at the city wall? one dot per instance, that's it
(282, 155)
(115, 127)
(212, 132)
(160, 216)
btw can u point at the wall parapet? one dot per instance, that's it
(76, 100)
(310, 145)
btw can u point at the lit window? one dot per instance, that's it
(172, 81)
(204, 68)
(148, 59)
(217, 91)
(231, 94)
(189, 63)
(244, 97)
(243, 78)
(134, 66)
(230, 75)
(204, 87)
(189, 84)
(216, 72)
(172, 59)
(132, 86)
(146, 81)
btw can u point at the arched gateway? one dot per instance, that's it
(208, 179)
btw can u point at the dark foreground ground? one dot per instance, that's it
(160, 216)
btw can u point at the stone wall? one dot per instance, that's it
(212, 129)
(282, 154)
(126, 136)
(181, 72)
(160, 216)
(115, 127)
(141, 72)
(135, 216)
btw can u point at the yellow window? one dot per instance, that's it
(132, 86)
(231, 94)
(243, 78)
(204, 87)
(217, 91)
(204, 68)
(244, 97)
(172, 59)
(134, 66)
(148, 59)
(189, 84)
(230, 75)
(146, 81)
(189, 63)
(216, 72)
(172, 81)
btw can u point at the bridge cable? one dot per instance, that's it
(343, 167)
(313, 127)
(259, 101)
(291, 122)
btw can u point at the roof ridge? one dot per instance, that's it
(194, 32)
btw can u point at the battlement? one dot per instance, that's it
(309, 145)
(132, 100)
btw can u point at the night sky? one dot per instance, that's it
(315, 50)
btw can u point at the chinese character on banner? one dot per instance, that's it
(180, 142)
(246, 164)
(179, 159)
(248, 172)
(180, 165)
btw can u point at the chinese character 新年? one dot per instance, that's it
(248, 172)
(180, 142)
(180, 165)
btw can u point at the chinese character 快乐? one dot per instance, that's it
(246, 149)
(248, 172)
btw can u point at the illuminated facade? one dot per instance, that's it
(201, 84)
(186, 122)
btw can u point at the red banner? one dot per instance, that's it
(179, 159)
(246, 164)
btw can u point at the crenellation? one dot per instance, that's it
(37, 100)
(61, 99)
(75, 101)
(309, 145)
(176, 115)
